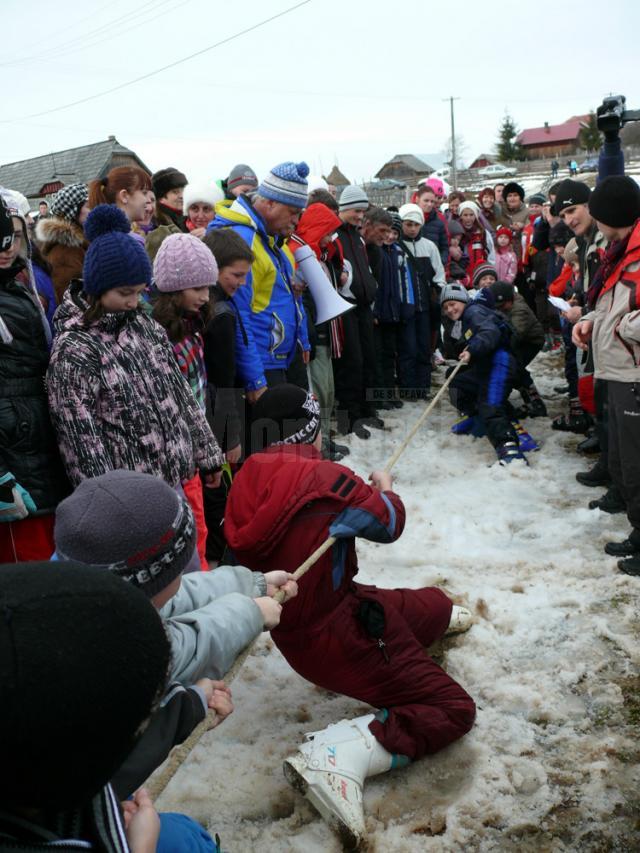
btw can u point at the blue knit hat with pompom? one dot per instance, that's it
(114, 257)
(287, 184)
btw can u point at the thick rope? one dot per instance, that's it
(159, 781)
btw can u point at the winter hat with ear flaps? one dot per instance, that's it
(83, 659)
(616, 202)
(114, 258)
(182, 262)
(132, 523)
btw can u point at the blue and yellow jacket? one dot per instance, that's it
(273, 317)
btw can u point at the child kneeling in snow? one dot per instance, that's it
(344, 636)
(481, 390)
(143, 531)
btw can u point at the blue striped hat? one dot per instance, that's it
(287, 184)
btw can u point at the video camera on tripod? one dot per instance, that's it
(612, 114)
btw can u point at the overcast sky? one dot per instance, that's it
(347, 81)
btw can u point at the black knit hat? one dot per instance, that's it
(131, 523)
(560, 234)
(285, 414)
(167, 179)
(6, 228)
(569, 194)
(513, 187)
(83, 659)
(396, 221)
(502, 292)
(616, 202)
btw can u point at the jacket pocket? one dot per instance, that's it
(16, 425)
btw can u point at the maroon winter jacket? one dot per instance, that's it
(284, 503)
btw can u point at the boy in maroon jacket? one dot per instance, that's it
(351, 638)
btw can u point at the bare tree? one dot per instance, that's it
(462, 150)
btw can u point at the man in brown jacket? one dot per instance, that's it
(613, 326)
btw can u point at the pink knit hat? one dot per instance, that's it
(182, 262)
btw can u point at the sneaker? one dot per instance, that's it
(630, 566)
(610, 502)
(597, 476)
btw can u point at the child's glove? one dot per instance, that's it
(15, 502)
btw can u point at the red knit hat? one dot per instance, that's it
(507, 232)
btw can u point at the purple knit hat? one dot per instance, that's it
(182, 262)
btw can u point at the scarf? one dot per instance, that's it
(613, 254)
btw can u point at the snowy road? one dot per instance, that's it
(552, 663)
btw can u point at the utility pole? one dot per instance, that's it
(454, 169)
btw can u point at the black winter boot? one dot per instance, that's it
(597, 476)
(536, 406)
(590, 445)
(576, 421)
(611, 502)
(630, 547)
(631, 566)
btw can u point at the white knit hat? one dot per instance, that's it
(204, 193)
(353, 198)
(411, 213)
(469, 205)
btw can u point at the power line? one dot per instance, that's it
(164, 67)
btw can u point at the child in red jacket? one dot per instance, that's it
(347, 637)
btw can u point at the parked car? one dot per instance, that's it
(443, 173)
(589, 165)
(497, 171)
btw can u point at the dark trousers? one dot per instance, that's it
(570, 363)
(395, 358)
(275, 377)
(355, 370)
(426, 708)
(601, 400)
(524, 355)
(483, 390)
(624, 444)
(422, 326)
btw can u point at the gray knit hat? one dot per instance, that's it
(241, 175)
(353, 198)
(286, 183)
(134, 524)
(453, 292)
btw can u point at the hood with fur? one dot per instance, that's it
(60, 232)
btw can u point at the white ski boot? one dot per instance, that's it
(461, 620)
(330, 769)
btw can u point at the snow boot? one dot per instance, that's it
(535, 404)
(508, 452)
(360, 430)
(373, 421)
(630, 566)
(330, 769)
(461, 620)
(469, 425)
(526, 442)
(590, 445)
(576, 421)
(611, 502)
(597, 476)
(627, 548)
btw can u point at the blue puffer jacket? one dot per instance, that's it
(484, 332)
(435, 230)
(273, 318)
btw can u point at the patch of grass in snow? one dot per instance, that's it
(631, 697)
(620, 599)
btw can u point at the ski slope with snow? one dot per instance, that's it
(551, 661)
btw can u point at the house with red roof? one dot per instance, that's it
(553, 140)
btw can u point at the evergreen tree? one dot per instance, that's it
(507, 148)
(590, 136)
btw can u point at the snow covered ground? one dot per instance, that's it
(551, 661)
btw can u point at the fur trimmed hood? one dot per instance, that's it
(60, 232)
